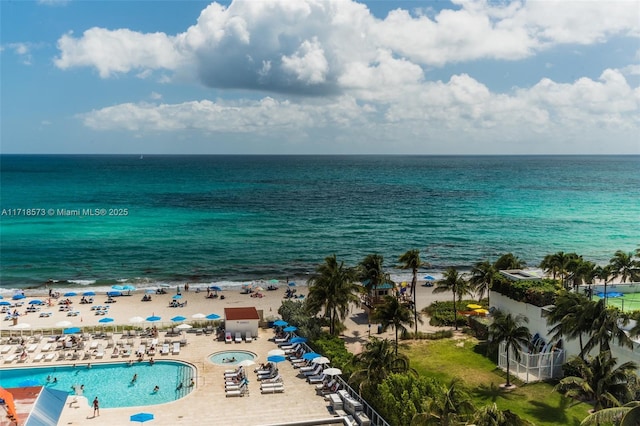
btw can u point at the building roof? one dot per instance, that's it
(235, 314)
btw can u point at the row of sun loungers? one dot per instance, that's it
(235, 383)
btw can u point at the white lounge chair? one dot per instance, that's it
(100, 351)
(10, 358)
(282, 339)
(176, 348)
(32, 347)
(274, 389)
(238, 392)
(50, 356)
(6, 349)
(46, 347)
(165, 349)
(248, 337)
(238, 337)
(227, 337)
(39, 357)
(316, 379)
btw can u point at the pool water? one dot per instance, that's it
(111, 382)
(225, 357)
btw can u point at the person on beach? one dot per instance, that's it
(96, 407)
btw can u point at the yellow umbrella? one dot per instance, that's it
(473, 306)
(403, 284)
(481, 311)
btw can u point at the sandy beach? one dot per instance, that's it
(130, 305)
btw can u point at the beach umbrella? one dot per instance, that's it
(153, 318)
(290, 329)
(281, 323)
(72, 330)
(473, 306)
(117, 287)
(105, 320)
(36, 302)
(70, 294)
(184, 327)
(292, 284)
(114, 293)
(1, 297)
(18, 296)
(215, 288)
(481, 311)
(164, 285)
(21, 326)
(429, 278)
(128, 287)
(177, 296)
(332, 371)
(141, 417)
(275, 352)
(212, 316)
(276, 358)
(136, 319)
(5, 303)
(63, 324)
(178, 318)
(246, 362)
(298, 339)
(321, 360)
(273, 281)
(310, 355)
(198, 316)
(89, 293)
(259, 288)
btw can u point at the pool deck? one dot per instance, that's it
(207, 404)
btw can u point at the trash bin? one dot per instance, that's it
(15, 320)
(379, 328)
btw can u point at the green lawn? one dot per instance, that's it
(448, 358)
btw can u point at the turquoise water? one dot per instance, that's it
(110, 382)
(229, 219)
(223, 357)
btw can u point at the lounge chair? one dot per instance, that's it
(309, 367)
(248, 337)
(275, 379)
(32, 348)
(282, 339)
(6, 349)
(326, 385)
(46, 347)
(165, 349)
(50, 356)
(227, 337)
(115, 353)
(100, 352)
(176, 348)
(39, 357)
(316, 379)
(238, 337)
(10, 358)
(314, 372)
(235, 386)
(126, 351)
(238, 392)
(274, 389)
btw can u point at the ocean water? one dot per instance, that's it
(103, 220)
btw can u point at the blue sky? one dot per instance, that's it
(320, 77)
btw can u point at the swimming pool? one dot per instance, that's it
(231, 357)
(110, 382)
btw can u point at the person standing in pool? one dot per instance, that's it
(96, 407)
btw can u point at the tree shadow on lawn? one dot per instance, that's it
(492, 392)
(547, 413)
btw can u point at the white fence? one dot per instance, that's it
(533, 367)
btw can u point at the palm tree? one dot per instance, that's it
(332, 288)
(509, 261)
(454, 283)
(376, 362)
(600, 381)
(603, 273)
(570, 317)
(509, 329)
(482, 276)
(549, 265)
(372, 273)
(411, 260)
(605, 326)
(627, 414)
(451, 406)
(491, 415)
(623, 265)
(393, 313)
(559, 264)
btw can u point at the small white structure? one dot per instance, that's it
(241, 320)
(520, 275)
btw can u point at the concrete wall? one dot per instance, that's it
(243, 326)
(538, 324)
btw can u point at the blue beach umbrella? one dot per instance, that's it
(1, 297)
(213, 316)
(72, 330)
(178, 318)
(310, 355)
(70, 294)
(128, 287)
(117, 287)
(89, 293)
(280, 323)
(177, 296)
(153, 318)
(105, 320)
(429, 278)
(114, 293)
(5, 303)
(36, 302)
(141, 417)
(276, 358)
(292, 284)
(215, 288)
(18, 296)
(298, 339)
(290, 329)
